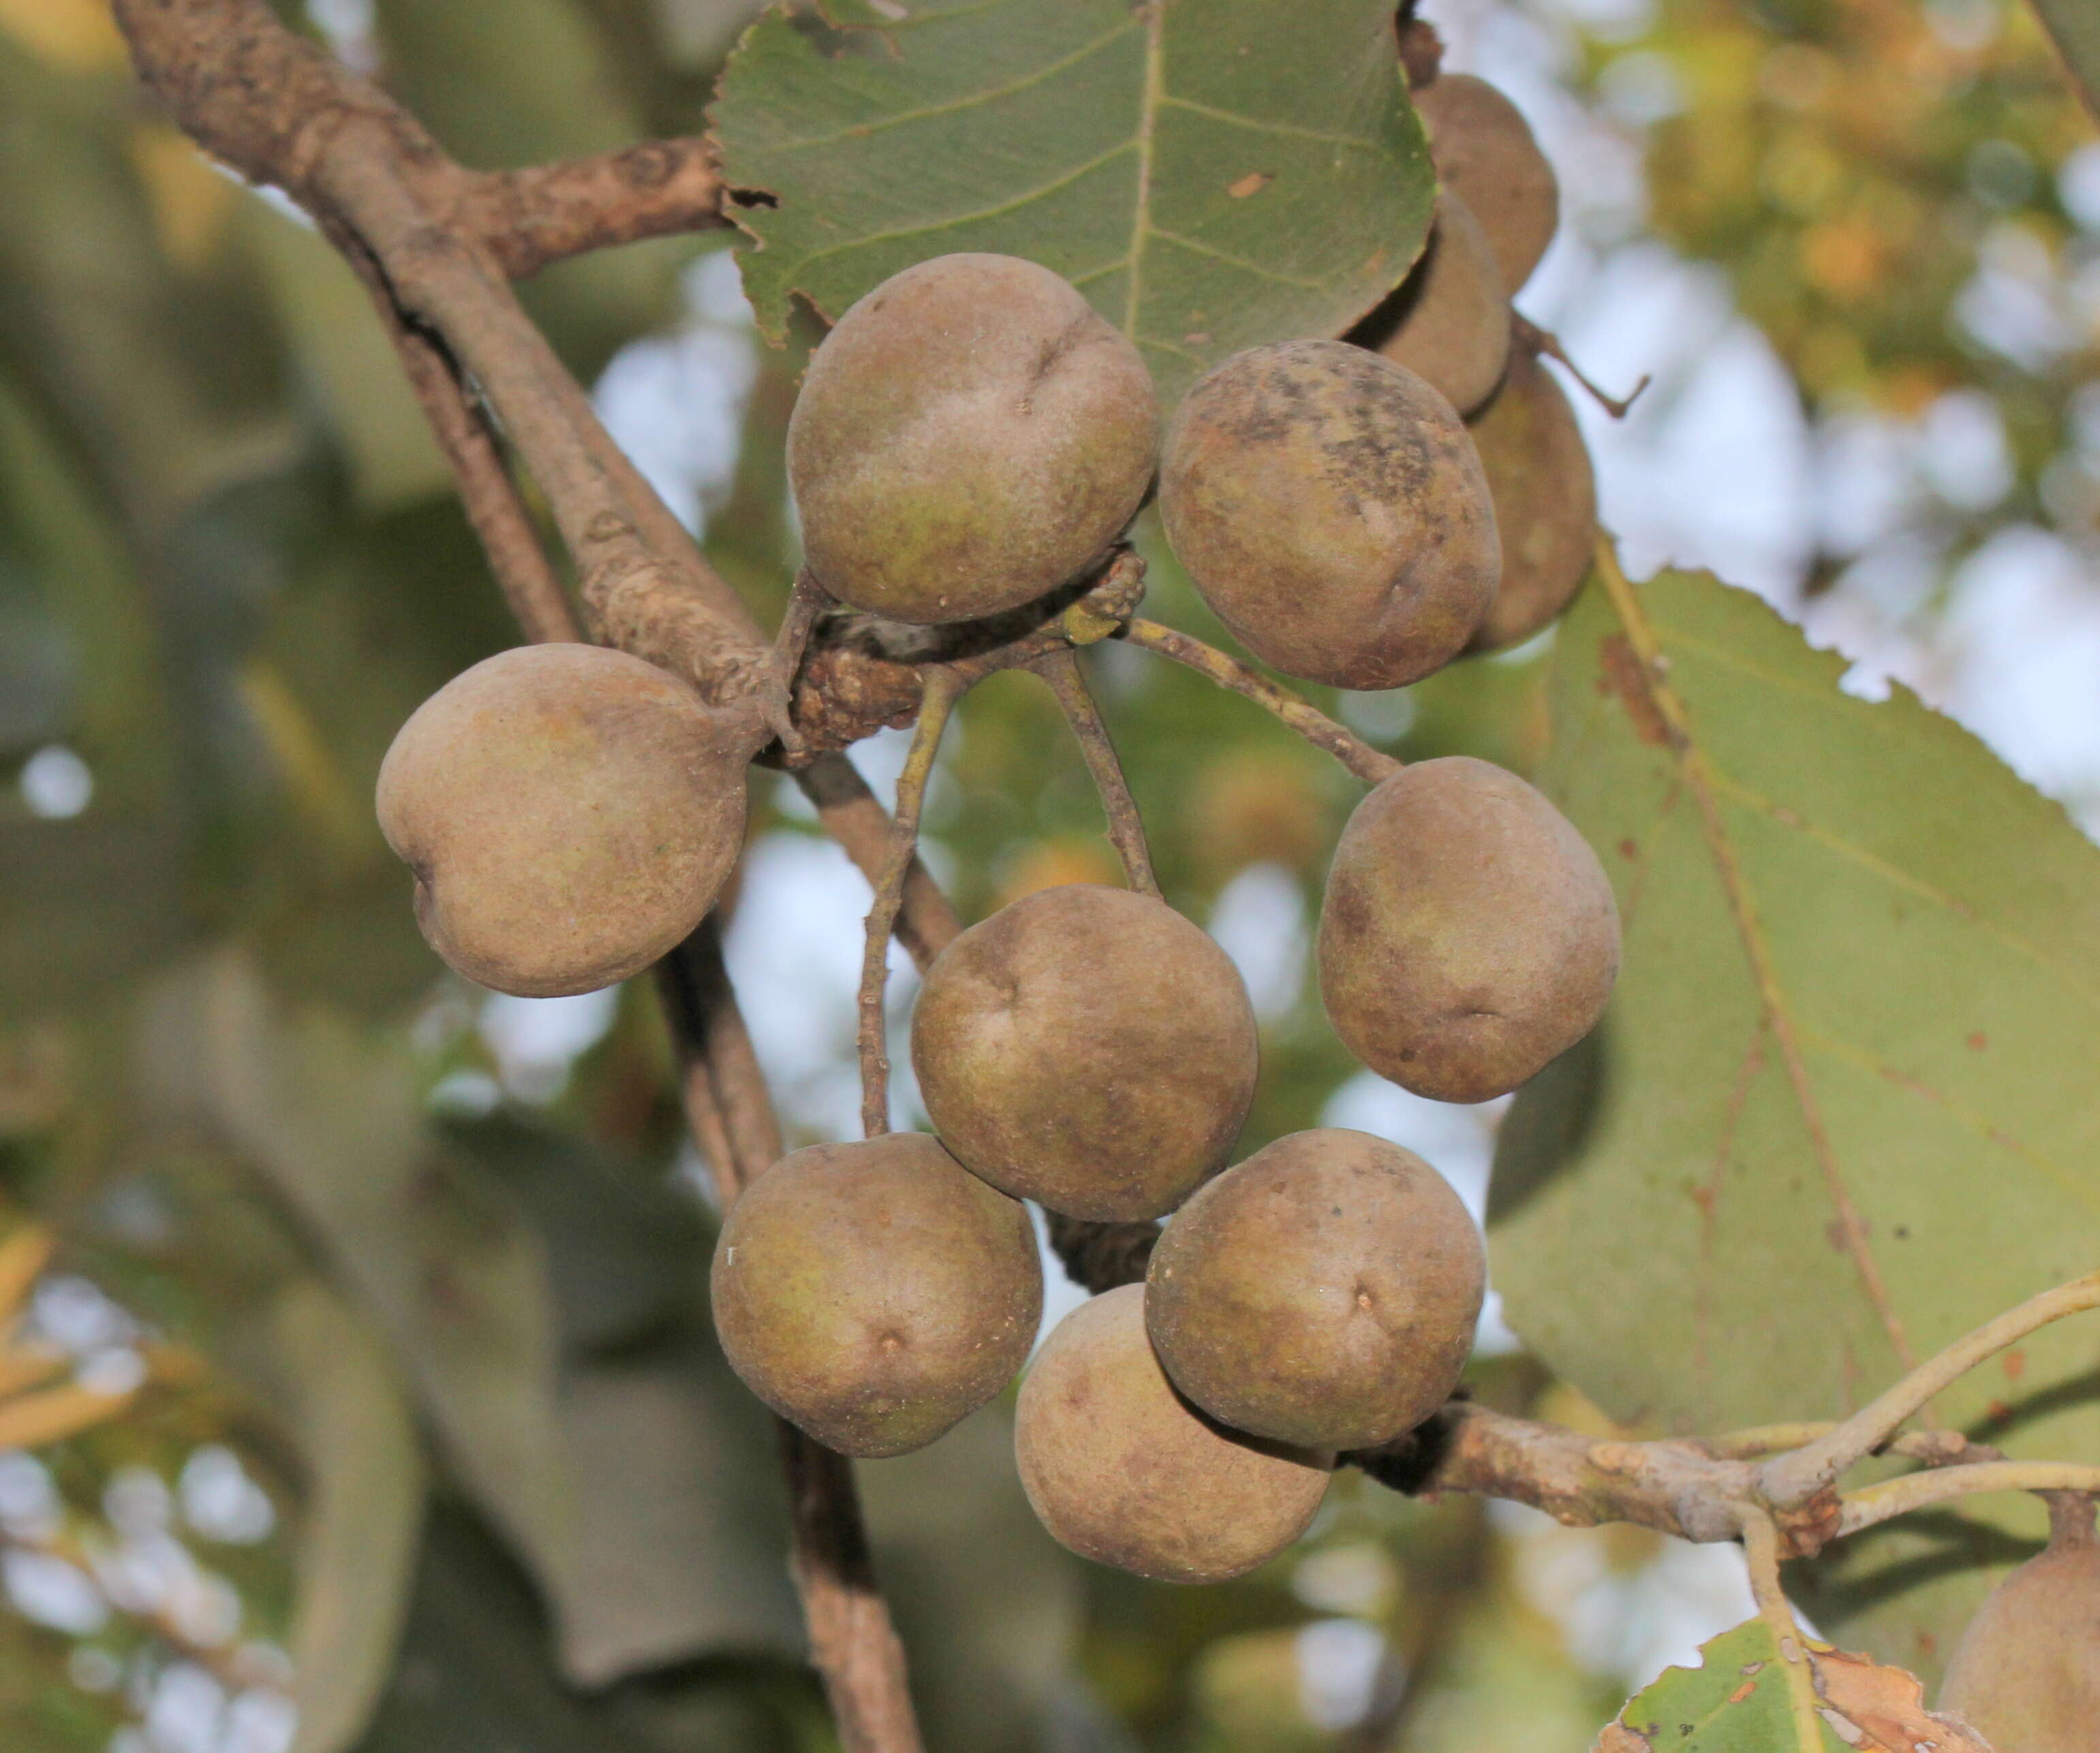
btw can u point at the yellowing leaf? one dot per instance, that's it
(192, 202)
(70, 34)
(1736, 1702)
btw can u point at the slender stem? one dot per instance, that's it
(1761, 1548)
(1126, 827)
(1795, 1476)
(1536, 340)
(853, 816)
(944, 688)
(1935, 1448)
(1368, 764)
(1874, 1503)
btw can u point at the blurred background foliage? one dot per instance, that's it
(381, 1300)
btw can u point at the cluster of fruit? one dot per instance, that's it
(971, 436)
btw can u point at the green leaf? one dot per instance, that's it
(328, 1112)
(363, 1514)
(350, 362)
(1840, 1110)
(1212, 174)
(1736, 1702)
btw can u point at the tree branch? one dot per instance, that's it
(530, 217)
(1793, 1477)
(417, 228)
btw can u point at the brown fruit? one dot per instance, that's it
(1088, 1048)
(1449, 322)
(970, 435)
(2027, 1671)
(1322, 1293)
(1546, 502)
(875, 1293)
(1328, 505)
(1468, 934)
(570, 812)
(1124, 1471)
(1485, 150)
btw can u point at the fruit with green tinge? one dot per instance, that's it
(1546, 502)
(1328, 504)
(1485, 150)
(2027, 1671)
(1449, 322)
(875, 1293)
(571, 812)
(1124, 1471)
(1088, 1048)
(1468, 933)
(1323, 1292)
(970, 435)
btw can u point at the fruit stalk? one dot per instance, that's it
(944, 688)
(1368, 764)
(1126, 827)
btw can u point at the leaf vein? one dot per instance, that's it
(1742, 910)
(1198, 247)
(1362, 143)
(861, 130)
(1009, 205)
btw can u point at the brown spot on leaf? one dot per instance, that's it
(1624, 677)
(1978, 1041)
(2015, 1364)
(1252, 183)
(1629, 850)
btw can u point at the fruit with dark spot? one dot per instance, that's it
(2027, 1671)
(570, 812)
(1485, 150)
(1322, 1293)
(1328, 504)
(1449, 322)
(1088, 1048)
(875, 1293)
(1124, 1471)
(970, 435)
(1546, 502)
(1468, 933)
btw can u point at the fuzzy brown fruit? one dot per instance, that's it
(875, 1293)
(1546, 502)
(970, 435)
(1468, 934)
(570, 812)
(1088, 1048)
(1124, 1471)
(1323, 1292)
(1449, 322)
(2027, 1671)
(1328, 504)
(1485, 150)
